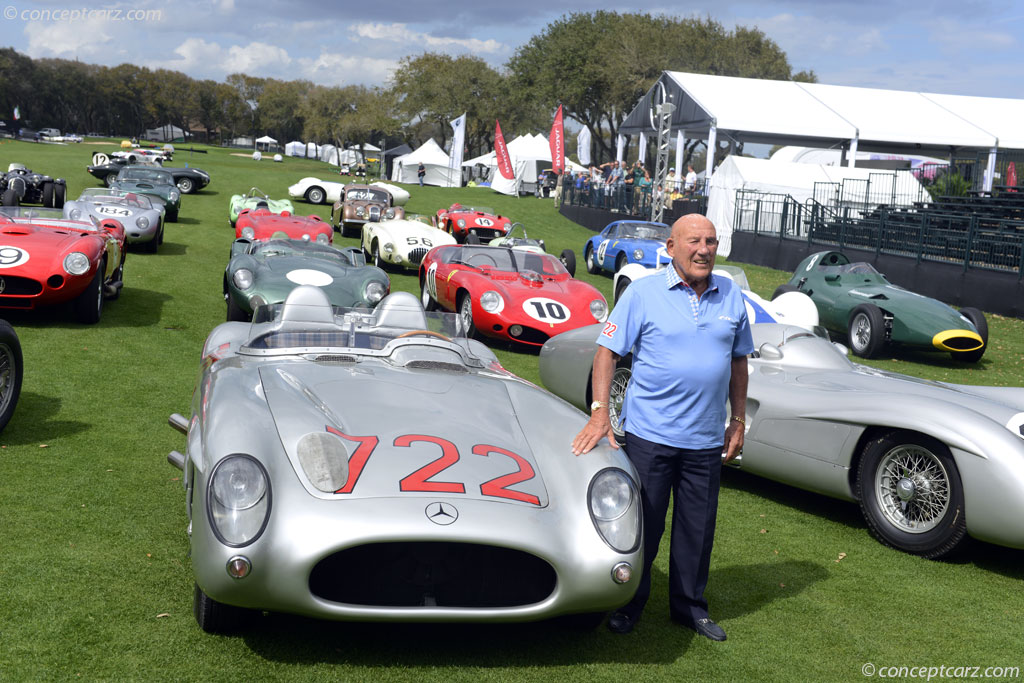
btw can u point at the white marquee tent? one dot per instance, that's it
(763, 175)
(295, 149)
(529, 154)
(434, 161)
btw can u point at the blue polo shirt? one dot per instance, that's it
(682, 357)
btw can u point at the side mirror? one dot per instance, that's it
(769, 352)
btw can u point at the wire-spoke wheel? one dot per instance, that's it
(866, 330)
(910, 494)
(11, 372)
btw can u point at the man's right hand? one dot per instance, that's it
(598, 426)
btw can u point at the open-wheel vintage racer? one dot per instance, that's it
(360, 204)
(46, 259)
(257, 199)
(479, 221)
(305, 494)
(265, 271)
(507, 294)
(930, 463)
(20, 185)
(401, 242)
(857, 301)
(263, 224)
(143, 222)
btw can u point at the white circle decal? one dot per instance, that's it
(11, 257)
(546, 310)
(305, 276)
(484, 222)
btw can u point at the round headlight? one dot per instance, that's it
(173, 195)
(491, 302)
(76, 263)
(76, 214)
(360, 211)
(242, 278)
(322, 238)
(390, 213)
(305, 237)
(610, 495)
(638, 254)
(615, 509)
(461, 223)
(388, 247)
(248, 232)
(238, 500)
(599, 309)
(142, 222)
(374, 292)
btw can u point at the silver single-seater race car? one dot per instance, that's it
(930, 463)
(307, 494)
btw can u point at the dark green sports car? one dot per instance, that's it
(857, 300)
(264, 272)
(151, 181)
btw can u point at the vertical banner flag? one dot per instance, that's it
(620, 146)
(501, 152)
(455, 158)
(583, 146)
(17, 113)
(1011, 178)
(557, 142)
(642, 152)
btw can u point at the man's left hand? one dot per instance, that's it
(733, 440)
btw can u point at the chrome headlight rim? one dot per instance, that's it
(75, 214)
(638, 254)
(248, 232)
(173, 195)
(323, 238)
(599, 309)
(212, 500)
(374, 291)
(76, 263)
(492, 302)
(243, 279)
(389, 248)
(142, 223)
(632, 507)
(461, 222)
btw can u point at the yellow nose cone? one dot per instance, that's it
(957, 340)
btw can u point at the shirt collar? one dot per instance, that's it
(672, 279)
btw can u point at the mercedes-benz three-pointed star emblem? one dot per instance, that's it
(442, 513)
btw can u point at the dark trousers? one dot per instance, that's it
(692, 478)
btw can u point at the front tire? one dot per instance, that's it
(428, 301)
(866, 332)
(591, 258)
(10, 198)
(977, 319)
(48, 194)
(466, 314)
(186, 185)
(110, 179)
(315, 195)
(620, 288)
(89, 304)
(620, 262)
(910, 494)
(617, 395)
(216, 617)
(784, 289)
(375, 251)
(11, 372)
(568, 259)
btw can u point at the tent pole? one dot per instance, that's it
(712, 148)
(851, 160)
(680, 148)
(990, 169)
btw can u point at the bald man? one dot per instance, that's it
(689, 336)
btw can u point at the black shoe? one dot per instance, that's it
(709, 629)
(621, 623)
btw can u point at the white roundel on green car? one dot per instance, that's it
(306, 276)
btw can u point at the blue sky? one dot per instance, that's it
(967, 47)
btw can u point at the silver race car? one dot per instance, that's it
(377, 465)
(930, 463)
(143, 221)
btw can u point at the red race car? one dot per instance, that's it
(463, 221)
(46, 259)
(508, 294)
(262, 224)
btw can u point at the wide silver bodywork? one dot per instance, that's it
(141, 218)
(407, 397)
(811, 414)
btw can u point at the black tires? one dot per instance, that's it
(10, 198)
(465, 304)
(11, 372)
(60, 194)
(316, 195)
(236, 314)
(375, 253)
(620, 382)
(784, 289)
(186, 185)
(89, 304)
(620, 288)
(171, 215)
(977, 319)
(568, 259)
(216, 617)
(911, 495)
(110, 179)
(591, 258)
(866, 331)
(428, 303)
(620, 262)
(48, 194)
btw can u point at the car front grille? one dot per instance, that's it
(20, 285)
(416, 255)
(433, 574)
(488, 234)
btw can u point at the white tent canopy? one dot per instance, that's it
(295, 148)
(794, 179)
(266, 140)
(529, 154)
(435, 163)
(832, 157)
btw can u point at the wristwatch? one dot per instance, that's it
(598, 404)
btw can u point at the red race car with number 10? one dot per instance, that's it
(508, 294)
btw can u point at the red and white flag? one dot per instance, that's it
(501, 152)
(557, 142)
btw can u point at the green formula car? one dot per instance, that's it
(254, 199)
(857, 300)
(265, 271)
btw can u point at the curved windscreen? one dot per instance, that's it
(645, 231)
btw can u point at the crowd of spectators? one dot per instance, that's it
(625, 189)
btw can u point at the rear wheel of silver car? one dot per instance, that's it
(11, 372)
(620, 382)
(89, 304)
(466, 313)
(866, 332)
(186, 185)
(315, 195)
(977, 319)
(910, 494)
(216, 617)
(428, 302)
(591, 258)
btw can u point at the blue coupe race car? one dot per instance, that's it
(625, 242)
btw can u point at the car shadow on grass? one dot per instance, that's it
(41, 425)
(185, 220)
(135, 307)
(297, 640)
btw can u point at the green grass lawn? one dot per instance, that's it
(94, 556)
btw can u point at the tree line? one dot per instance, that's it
(596, 64)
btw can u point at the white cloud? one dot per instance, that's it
(400, 33)
(953, 36)
(339, 69)
(85, 39)
(198, 55)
